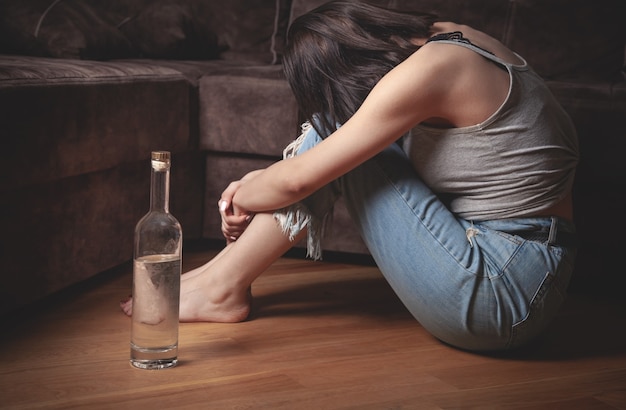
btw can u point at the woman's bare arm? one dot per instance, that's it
(412, 92)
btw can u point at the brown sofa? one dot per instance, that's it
(89, 88)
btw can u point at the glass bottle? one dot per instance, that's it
(156, 276)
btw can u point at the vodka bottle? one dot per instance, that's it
(156, 276)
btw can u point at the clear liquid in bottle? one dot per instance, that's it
(154, 342)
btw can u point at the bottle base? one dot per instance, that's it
(153, 359)
(153, 364)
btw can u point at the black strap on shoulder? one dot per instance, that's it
(455, 36)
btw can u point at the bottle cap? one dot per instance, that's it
(161, 156)
(160, 160)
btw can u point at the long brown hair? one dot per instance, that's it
(338, 52)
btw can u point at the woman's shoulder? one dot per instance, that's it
(463, 86)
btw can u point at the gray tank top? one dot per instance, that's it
(518, 162)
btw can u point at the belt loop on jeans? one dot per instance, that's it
(553, 231)
(552, 237)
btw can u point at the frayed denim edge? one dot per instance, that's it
(294, 218)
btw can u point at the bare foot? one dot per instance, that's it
(204, 300)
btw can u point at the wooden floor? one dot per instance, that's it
(323, 336)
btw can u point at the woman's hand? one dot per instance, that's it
(234, 220)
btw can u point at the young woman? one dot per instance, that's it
(455, 162)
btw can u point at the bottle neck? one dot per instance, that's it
(160, 190)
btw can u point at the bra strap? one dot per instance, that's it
(458, 37)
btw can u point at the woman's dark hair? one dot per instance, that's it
(337, 53)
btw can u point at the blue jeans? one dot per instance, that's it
(474, 285)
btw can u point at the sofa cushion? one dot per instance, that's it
(64, 29)
(267, 116)
(194, 70)
(170, 29)
(249, 29)
(62, 118)
(27, 70)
